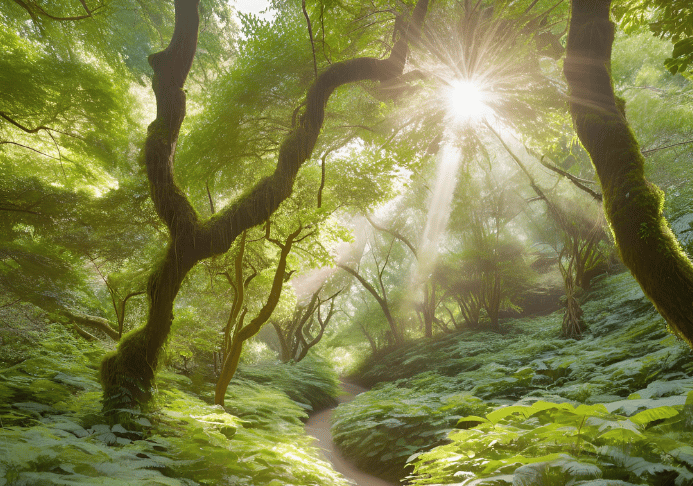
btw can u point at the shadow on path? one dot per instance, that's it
(318, 426)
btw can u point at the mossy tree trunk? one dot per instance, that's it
(633, 206)
(127, 374)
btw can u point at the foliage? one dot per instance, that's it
(381, 429)
(53, 432)
(668, 19)
(78, 233)
(311, 383)
(626, 361)
(664, 131)
(557, 443)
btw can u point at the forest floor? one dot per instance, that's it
(53, 432)
(319, 426)
(519, 407)
(525, 406)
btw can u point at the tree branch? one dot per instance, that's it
(33, 8)
(218, 233)
(575, 180)
(211, 201)
(9, 304)
(22, 127)
(171, 67)
(310, 34)
(648, 152)
(394, 233)
(94, 322)
(381, 301)
(20, 210)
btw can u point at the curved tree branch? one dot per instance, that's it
(22, 127)
(91, 321)
(394, 233)
(36, 10)
(218, 233)
(579, 183)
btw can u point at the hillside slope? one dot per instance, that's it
(632, 378)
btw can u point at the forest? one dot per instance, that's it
(346, 242)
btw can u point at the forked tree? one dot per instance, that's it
(306, 326)
(127, 374)
(236, 331)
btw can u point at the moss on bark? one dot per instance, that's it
(126, 374)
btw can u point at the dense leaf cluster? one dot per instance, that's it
(626, 362)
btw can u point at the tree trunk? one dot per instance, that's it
(127, 375)
(228, 370)
(371, 341)
(573, 324)
(284, 352)
(242, 334)
(633, 206)
(429, 309)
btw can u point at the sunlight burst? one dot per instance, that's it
(467, 102)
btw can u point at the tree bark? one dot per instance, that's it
(633, 206)
(284, 352)
(94, 322)
(127, 375)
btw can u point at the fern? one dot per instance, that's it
(531, 440)
(56, 433)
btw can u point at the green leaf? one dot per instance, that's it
(470, 421)
(525, 411)
(683, 47)
(659, 413)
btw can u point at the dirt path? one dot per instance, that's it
(318, 426)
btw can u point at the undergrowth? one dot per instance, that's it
(559, 444)
(381, 429)
(52, 430)
(626, 364)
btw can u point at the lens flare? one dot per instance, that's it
(467, 102)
